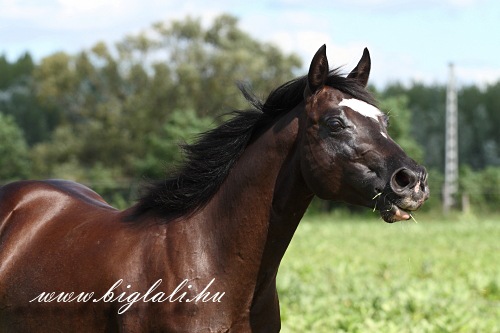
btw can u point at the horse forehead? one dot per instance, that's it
(362, 108)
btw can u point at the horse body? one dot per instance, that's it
(69, 246)
(58, 236)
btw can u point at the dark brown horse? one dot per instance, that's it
(200, 251)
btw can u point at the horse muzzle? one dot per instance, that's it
(406, 192)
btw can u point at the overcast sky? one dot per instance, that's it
(408, 40)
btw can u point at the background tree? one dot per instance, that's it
(18, 99)
(182, 127)
(14, 161)
(110, 100)
(113, 113)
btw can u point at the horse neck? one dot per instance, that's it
(262, 201)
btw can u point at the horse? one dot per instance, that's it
(200, 250)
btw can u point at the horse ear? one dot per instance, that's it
(318, 71)
(362, 71)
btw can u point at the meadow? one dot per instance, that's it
(363, 275)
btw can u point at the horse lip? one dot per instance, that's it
(392, 212)
(400, 214)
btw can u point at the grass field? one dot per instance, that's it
(369, 276)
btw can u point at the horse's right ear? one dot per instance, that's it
(318, 72)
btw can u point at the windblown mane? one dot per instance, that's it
(208, 161)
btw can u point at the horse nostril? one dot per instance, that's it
(402, 179)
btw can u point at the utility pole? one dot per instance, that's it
(451, 145)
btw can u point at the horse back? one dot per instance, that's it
(40, 211)
(28, 201)
(54, 236)
(14, 194)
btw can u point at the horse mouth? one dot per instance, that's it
(394, 213)
(398, 210)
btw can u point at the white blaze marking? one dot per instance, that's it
(361, 107)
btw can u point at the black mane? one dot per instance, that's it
(208, 161)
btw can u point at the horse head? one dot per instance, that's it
(346, 151)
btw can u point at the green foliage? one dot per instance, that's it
(163, 148)
(400, 120)
(369, 276)
(477, 116)
(13, 73)
(481, 188)
(114, 113)
(51, 158)
(14, 162)
(18, 99)
(203, 64)
(111, 102)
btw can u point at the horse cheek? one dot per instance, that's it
(317, 162)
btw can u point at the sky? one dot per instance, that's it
(409, 41)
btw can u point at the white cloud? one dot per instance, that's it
(66, 14)
(16, 9)
(86, 6)
(303, 33)
(383, 5)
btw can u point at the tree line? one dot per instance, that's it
(114, 115)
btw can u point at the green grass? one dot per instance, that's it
(369, 276)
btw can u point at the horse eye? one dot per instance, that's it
(335, 125)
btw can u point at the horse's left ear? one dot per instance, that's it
(318, 71)
(362, 71)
